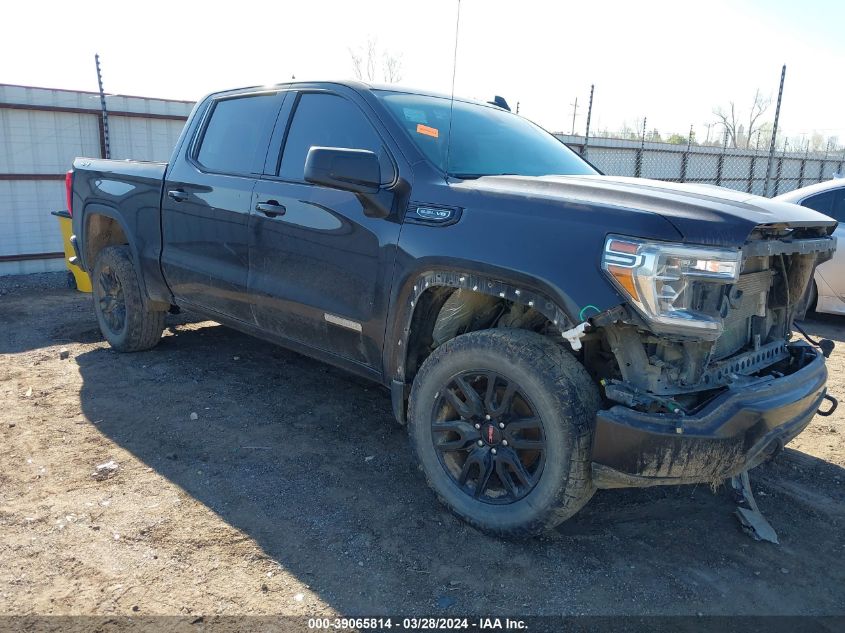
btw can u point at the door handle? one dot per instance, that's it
(271, 208)
(178, 195)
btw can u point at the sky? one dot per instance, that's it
(672, 62)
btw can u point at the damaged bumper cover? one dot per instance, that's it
(737, 430)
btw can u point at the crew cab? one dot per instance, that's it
(543, 329)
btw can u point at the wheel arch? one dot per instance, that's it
(424, 294)
(103, 225)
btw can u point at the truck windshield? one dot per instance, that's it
(486, 140)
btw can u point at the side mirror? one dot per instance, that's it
(355, 170)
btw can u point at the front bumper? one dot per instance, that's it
(736, 431)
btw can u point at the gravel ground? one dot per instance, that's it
(249, 479)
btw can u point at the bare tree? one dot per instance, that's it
(738, 134)
(365, 63)
(371, 59)
(758, 108)
(355, 56)
(728, 121)
(392, 67)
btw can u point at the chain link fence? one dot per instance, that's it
(740, 169)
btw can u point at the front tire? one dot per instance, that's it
(501, 424)
(125, 320)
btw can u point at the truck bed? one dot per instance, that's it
(126, 194)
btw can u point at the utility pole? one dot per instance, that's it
(574, 112)
(774, 133)
(105, 146)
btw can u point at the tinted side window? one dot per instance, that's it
(236, 137)
(327, 120)
(838, 206)
(820, 202)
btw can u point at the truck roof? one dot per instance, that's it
(360, 86)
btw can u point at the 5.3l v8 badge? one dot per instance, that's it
(432, 215)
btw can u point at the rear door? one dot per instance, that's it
(319, 267)
(206, 203)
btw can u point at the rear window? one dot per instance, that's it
(236, 137)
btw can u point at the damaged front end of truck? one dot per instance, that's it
(701, 363)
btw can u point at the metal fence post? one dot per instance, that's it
(780, 167)
(823, 161)
(685, 156)
(104, 117)
(750, 186)
(638, 165)
(803, 166)
(774, 133)
(589, 116)
(720, 162)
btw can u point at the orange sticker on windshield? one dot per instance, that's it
(428, 131)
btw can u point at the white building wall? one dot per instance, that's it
(143, 139)
(91, 101)
(35, 142)
(41, 132)
(26, 225)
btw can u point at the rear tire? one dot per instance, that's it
(539, 447)
(125, 320)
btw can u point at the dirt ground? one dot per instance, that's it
(292, 492)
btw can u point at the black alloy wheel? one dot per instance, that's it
(111, 300)
(489, 437)
(128, 322)
(500, 422)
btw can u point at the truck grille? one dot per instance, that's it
(754, 289)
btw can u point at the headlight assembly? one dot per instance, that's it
(660, 279)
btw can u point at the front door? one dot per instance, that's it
(206, 204)
(319, 268)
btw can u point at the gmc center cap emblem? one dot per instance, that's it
(491, 434)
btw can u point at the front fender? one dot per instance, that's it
(513, 241)
(551, 303)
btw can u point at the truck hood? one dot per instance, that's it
(702, 214)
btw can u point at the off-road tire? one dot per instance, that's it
(142, 327)
(566, 400)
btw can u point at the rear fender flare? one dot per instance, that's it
(113, 214)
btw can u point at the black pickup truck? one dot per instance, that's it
(544, 330)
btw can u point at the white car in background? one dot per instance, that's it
(829, 198)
